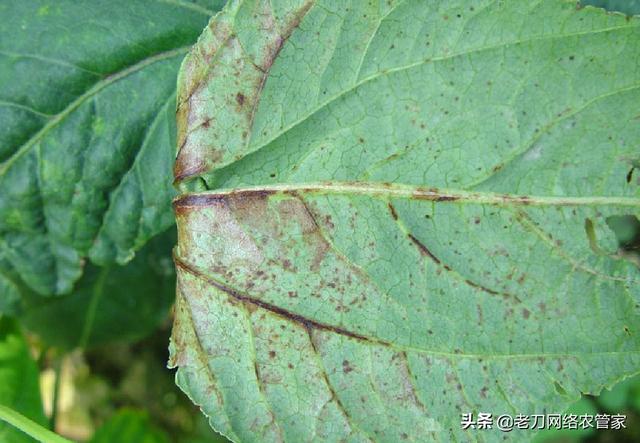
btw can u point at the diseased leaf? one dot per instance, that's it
(86, 111)
(108, 303)
(397, 234)
(19, 387)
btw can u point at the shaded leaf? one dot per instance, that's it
(627, 230)
(630, 7)
(129, 426)
(19, 387)
(108, 303)
(88, 130)
(319, 302)
(581, 407)
(621, 396)
(9, 291)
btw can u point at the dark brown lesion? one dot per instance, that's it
(251, 302)
(209, 199)
(425, 251)
(392, 209)
(240, 98)
(423, 248)
(198, 71)
(434, 195)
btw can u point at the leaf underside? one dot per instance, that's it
(87, 115)
(397, 234)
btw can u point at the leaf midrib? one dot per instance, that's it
(388, 190)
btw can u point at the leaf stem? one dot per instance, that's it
(57, 368)
(93, 306)
(29, 427)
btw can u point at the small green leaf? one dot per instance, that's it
(394, 233)
(19, 385)
(129, 426)
(87, 130)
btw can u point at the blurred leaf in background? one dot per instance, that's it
(108, 303)
(88, 131)
(624, 395)
(19, 387)
(582, 406)
(86, 154)
(629, 7)
(129, 426)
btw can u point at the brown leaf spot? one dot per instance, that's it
(392, 209)
(240, 98)
(423, 249)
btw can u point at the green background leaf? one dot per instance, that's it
(631, 7)
(10, 293)
(108, 303)
(129, 426)
(350, 308)
(19, 386)
(88, 130)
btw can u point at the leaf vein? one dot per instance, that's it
(372, 340)
(420, 63)
(97, 87)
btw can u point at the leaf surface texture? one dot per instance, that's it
(407, 215)
(88, 130)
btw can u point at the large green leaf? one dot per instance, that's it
(411, 219)
(19, 387)
(108, 303)
(86, 111)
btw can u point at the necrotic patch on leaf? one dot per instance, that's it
(399, 235)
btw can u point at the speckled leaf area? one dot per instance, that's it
(389, 324)
(414, 215)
